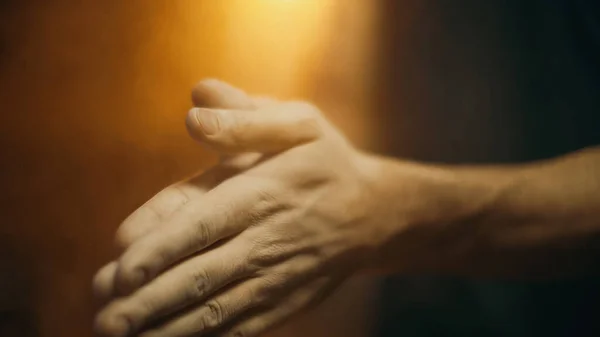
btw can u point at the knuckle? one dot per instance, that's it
(101, 283)
(153, 211)
(274, 286)
(268, 195)
(256, 256)
(200, 284)
(215, 315)
(180, 195)
(201, 234)
(263, 295)
(263, 254)
(130, 276)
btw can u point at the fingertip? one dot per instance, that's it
(204, 122)
(203, 93)
(124, 238)
(213, 93)
(102, 282)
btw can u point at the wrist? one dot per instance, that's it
(425, 217)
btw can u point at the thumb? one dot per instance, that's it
(212, 93)
(270, 129)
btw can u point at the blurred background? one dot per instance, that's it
(93, 96)
(93, 100)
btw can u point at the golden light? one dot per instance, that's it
(268, 44)
(96, 93)
(287, 49)
(264, 46)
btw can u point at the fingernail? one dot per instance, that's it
(208, 120)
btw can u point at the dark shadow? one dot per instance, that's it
(17, 308)
(489, 82)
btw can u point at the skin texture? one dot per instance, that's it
(292, 210)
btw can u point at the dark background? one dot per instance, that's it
(485, 82)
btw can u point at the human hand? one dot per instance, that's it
(283, 219)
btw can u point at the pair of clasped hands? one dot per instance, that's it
(278, 224)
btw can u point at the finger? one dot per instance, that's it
(212, 315)
(263, 102)
(103, 282)
(269, 129)
(262, 322)
(217, 94)
(211, 93)
(222, 212)
(158, 209)
(139, 226)
(186, 284)
(236, 300)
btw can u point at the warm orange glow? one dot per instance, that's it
(94, 95)
(264, 46)
(267, 44)
(273, 41)
(287, 49)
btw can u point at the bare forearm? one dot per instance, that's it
(534, 220)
